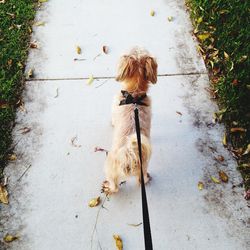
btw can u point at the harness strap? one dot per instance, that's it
(129, 99)
(145, 214)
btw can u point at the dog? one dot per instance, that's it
(135, 72)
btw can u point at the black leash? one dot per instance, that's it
(146, 223)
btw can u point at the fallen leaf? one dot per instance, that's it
(94, 202)
(235, 82)
(3, 195)
(247, 151)
(200, 185)
(135, 225)
(43, 1)
(9, 238)
(220, 158)
(215, 180)
(57, 93)
(224, 140)
(152, 13)
(223, 176)
(90, 80)
(78, 50)
(30, 73)
(12, 157)
(98, 149)
(33, 45)
(204, 36)
(25, 130)
(178, 112)
(73, 142)
(199, 20)
(226, 55)
(118, 242)
(4, 104)
(170, 18)
(238, 130)
(105, 49)
(40, 23)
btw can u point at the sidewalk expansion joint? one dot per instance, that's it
(107, 77)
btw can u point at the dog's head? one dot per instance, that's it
(137, 69)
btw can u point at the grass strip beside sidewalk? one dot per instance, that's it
(16, 18)
(223, 30)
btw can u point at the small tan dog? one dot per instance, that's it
(136, 71)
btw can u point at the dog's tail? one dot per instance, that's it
(129, 155)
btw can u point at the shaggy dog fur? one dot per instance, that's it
(136, 71)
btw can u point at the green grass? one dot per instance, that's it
(222, 28)
(15, 28)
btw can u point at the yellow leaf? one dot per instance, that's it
(200, 185)
(78, 50)
(215, 180)
(199, 20)
(43, 1)
(90, 80)
(94, 202)
(30, 73)
(224, 140)
(226, 55)
(152, 13)
(39, 23)
(170, 18)
(12, 157)
(223, 176)
(9, 238)
(247, 151)
(204, 36)
(3, 195)
(118, 242)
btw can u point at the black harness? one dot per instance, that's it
(129, 99)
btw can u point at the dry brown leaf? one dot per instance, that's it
(105, 49)
(152, 13)
(178, 112)
(118, 242)
(9, 238)
(33, 45)
(223, 176)
(94, 202)
(78, 50)
(238, 130)
(215, 180)
(200, 185)
(25, 130)
(98, 149)
(3, 195)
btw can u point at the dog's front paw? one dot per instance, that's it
(107, 188)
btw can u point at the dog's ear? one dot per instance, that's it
(127, 68)
(151, 69)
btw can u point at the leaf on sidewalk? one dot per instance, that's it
(95, 202)
(200, 185)
(224, 140)
(30, 73)
(178, 112)
(73, 142)
(9, 238)
(215, 180)
(170, 18)
(152, 13)
(78, 50)
(25, 130)
(105, 49)
(220, 158)
(135, 225)
(90, 80)
(223, 176)
(43, 1)
(118, 242)
(40, 23)
(3, 195)
(12, 157)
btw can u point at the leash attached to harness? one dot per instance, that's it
(129, 99)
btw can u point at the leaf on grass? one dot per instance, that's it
(224, 140)
(233, 130)
(3, 195)
(12, 157)
(90, 80)
(94, 202)
(200, 185)
(105, 49)
(9, 238)
(170, 18)
(118, 242)
(204, 36)
(43, 1)
(223, 176)
(78, 50)
(215, 180)
(226, 55)
(178, 112)
(135, 225)
(247, 151)
(199, 20)
(40, 23)
(152, 13)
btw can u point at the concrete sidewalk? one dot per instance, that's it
(49, 203)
